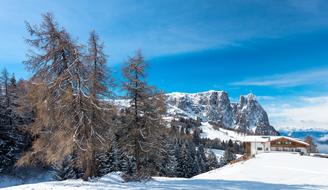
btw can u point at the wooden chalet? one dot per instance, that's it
(259, 144)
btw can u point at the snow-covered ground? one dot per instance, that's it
(275, 168)
(267, 171)
(223, 134)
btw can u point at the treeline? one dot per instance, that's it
(65, 116)
(13, 140)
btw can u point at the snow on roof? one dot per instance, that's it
(256, 138)
(289, 138)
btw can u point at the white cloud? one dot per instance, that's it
(288, 80)
(260, 98)
(324, 138)
(310, 113)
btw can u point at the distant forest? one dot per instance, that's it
(64, 118)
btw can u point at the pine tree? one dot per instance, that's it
(196, 136)
(169, 162)
(65, 169)
(12, 139)
(212, 161)
(229, 155)
(110, 160)
(105, 162)
(201, 159)
(145, 118)
(195, 168)
(186, 162)
(5, 87)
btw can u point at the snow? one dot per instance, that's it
(276, 168)
(182, 94)
(289, 138)
(267, 171)
(219, 153)
(223, 134)
(263, 138)
(122, 103)
(174, 111)
(256, 138)
(26, 176)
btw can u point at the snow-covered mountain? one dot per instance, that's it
(247, 115)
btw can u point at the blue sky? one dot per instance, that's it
(277, 50)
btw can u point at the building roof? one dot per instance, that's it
(258, 138)
(291, 139)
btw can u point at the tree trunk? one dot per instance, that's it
(90, 165)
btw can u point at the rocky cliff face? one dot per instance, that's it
(214, 106)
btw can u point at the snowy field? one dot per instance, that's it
(267, 171)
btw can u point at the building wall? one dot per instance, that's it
(247, 146)
(259, 147)
(283, 144)
(280, 144)
(290, 149)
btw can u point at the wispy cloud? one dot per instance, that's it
(308, 113)
(288, 80)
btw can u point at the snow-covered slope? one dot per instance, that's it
(276, 168)
(269, 171)
(223, 134)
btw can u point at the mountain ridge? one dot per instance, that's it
(247, 115)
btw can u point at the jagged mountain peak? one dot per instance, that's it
(246, 115)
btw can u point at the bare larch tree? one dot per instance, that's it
(64, 101)
(145, 118)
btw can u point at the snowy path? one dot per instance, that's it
(269, 171)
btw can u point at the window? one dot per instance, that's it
(259, 148)
(278, 142)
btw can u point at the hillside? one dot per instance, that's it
(275, 168)
(266, 171)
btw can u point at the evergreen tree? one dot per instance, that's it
(195, 168)
(13, 140)
(5, 87)
(167, 165)
(171, 165)
(212, 161)
(196, 136)
(229, 155)
(110, 160)
(65, 169)
(186, 163)
(201, 159)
